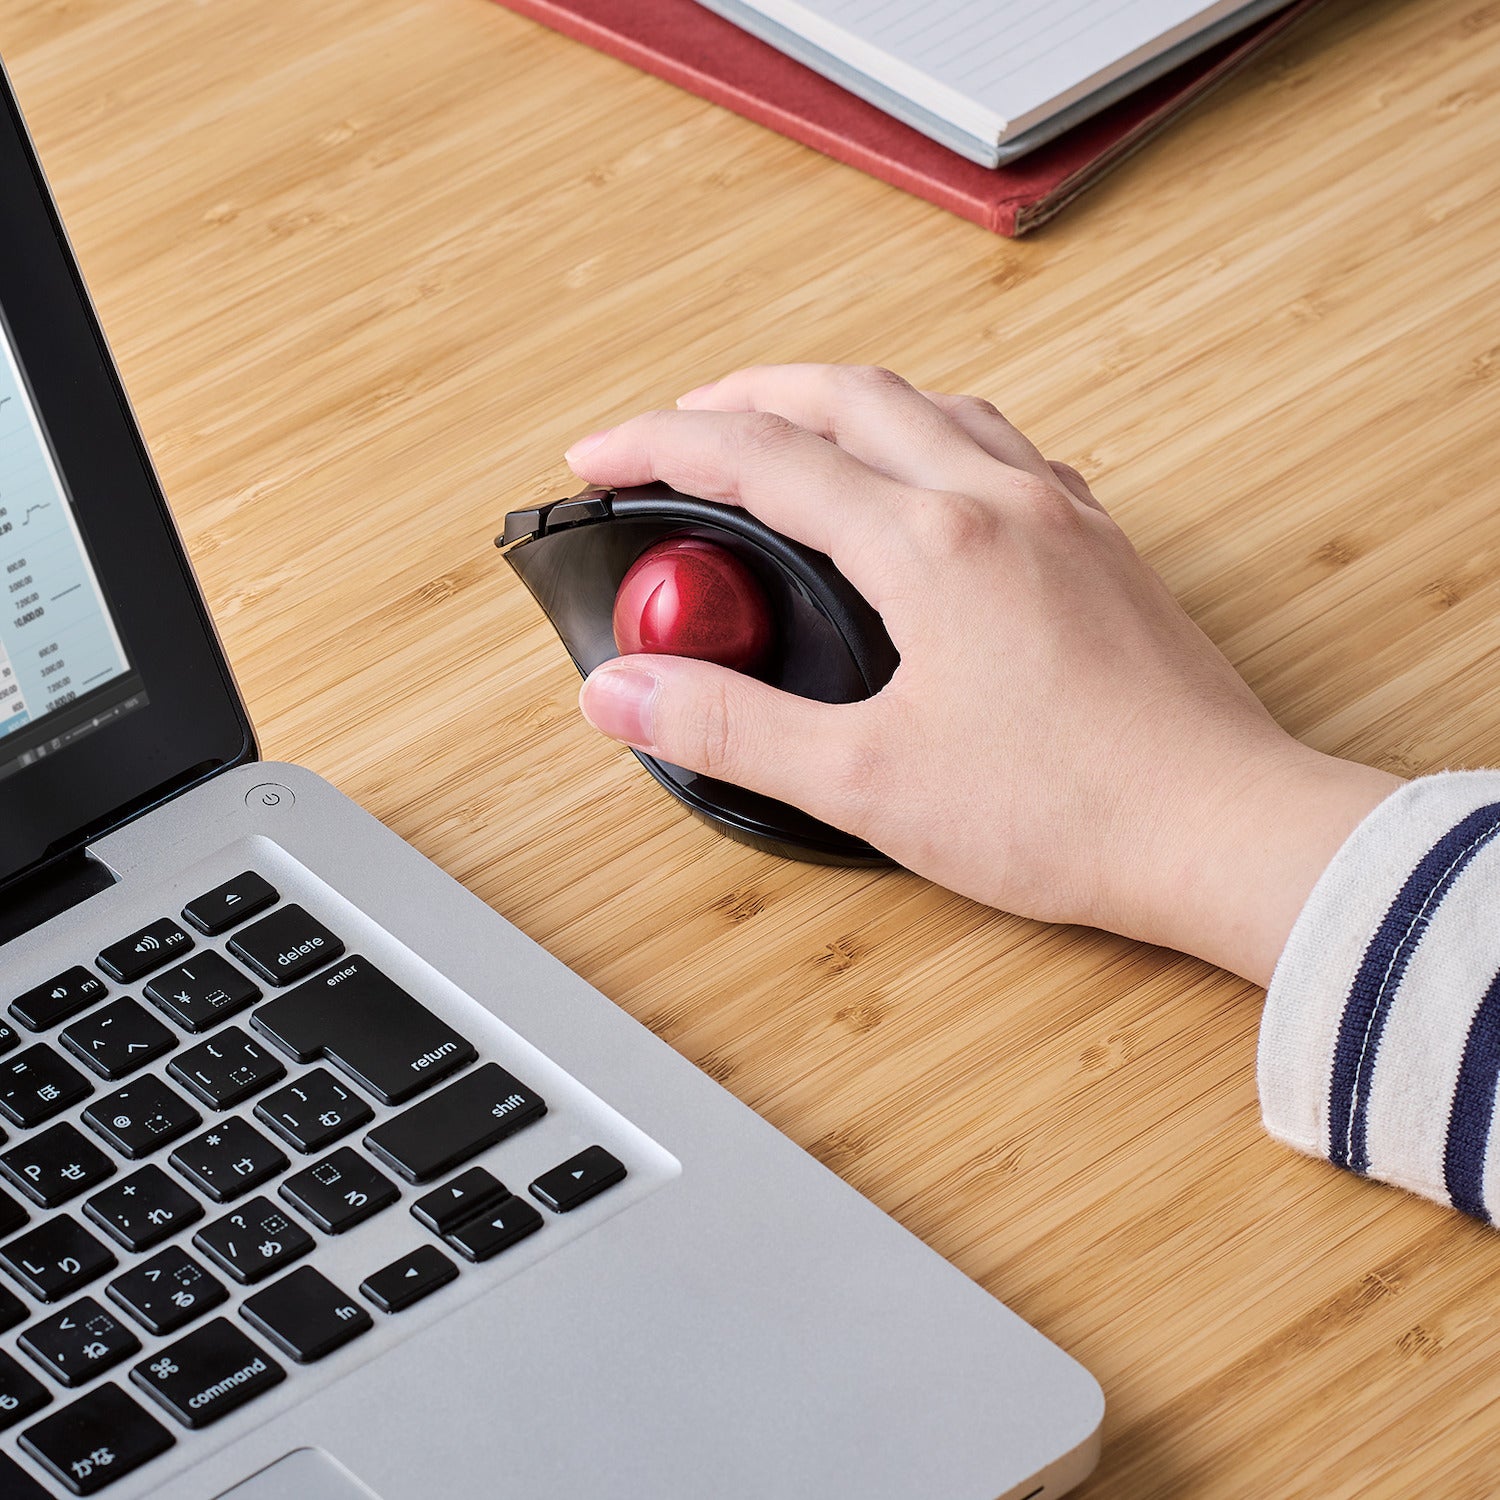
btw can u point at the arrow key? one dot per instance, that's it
(578, 1179)
(468, 1195)
(397, 1286)
(118, 1038)
(496, 1229)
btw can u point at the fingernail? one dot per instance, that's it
(586, 445)
(621, 702)
(697, 390)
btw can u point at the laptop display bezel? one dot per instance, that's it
(193, 724)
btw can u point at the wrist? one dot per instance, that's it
(1237, 883)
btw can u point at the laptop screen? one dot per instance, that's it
(114, 694)
(64, 672)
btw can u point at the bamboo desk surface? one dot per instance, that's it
(369, 265)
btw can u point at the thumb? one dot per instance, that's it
(732, 727)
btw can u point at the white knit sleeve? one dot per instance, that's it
(1380, 1044)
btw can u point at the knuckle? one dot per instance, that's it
(977, 406)
(953, 524)
(1042, 499)
(858, 773)
(707, 735)
(872, 379)
(758, 434)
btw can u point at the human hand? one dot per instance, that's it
(1059, 740)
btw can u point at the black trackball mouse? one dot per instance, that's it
(808, 630)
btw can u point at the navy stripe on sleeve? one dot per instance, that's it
(1471, 1118)
(1379, 977)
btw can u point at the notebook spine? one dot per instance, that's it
(999, 217)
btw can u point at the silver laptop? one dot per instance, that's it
(321, 1182)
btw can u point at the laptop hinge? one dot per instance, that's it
(55, 888)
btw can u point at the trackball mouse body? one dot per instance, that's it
(827, 643)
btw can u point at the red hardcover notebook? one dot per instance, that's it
(687, 45)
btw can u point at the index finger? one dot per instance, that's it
(796, 482)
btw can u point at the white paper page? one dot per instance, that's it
(993, 66)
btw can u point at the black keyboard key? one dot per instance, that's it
(229, 904)
(118, 1038)
(57, 999)
(56, 1259)
(143, 1209)
(141, 1117)
(578, 1179)
(306, 1316)
(499, 1227)
(16, 1484)
(227, 1069)
(21, 1393)
(56, 1165)
(80, 1342)
(396, 1287)
(10, 1038)
(37, 1084)
(12, 1215)
(167, 1292)
(314, 1112)
(229, 1159)
(456, 1123)
(99, 1438)
(469, 1193)
(208, 1373)
(202, 992)
(368, 1027)
(286, 945)
(339, 1192)
(144, 952)
(255, 1241)
(12, 1310)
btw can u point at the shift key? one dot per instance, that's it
(456, 1123)
(368, 1027)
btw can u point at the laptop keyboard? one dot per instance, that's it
(244, 1108)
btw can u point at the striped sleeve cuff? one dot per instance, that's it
(1380, 1043)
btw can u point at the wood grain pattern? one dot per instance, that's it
(370, 264)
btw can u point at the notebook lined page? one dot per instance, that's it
(995, 64)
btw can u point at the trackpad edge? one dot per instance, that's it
(304, 1474)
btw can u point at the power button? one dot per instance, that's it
(270, 794)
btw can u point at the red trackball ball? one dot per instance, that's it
(687, 597)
